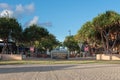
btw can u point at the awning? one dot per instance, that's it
(2, 44)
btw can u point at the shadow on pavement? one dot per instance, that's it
(33, 68)
(46, 68)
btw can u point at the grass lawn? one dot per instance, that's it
(48, 62)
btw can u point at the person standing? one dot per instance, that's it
(86, 49)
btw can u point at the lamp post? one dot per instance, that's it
(69, 32)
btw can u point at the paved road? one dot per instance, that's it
(60, 72)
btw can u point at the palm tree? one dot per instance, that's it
(108, 25)
(86, 33)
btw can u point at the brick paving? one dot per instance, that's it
(60, 72)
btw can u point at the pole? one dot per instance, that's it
(69, 32)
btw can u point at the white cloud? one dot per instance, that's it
(26, 8)
(6, 13)
(30, 7)
(23, 10)
(19, 8)
(4, 6)
(33, 21)
(18, 11)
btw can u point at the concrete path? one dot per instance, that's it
(60, 72)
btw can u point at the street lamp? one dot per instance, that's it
(69, 32)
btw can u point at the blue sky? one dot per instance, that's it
(64, 15)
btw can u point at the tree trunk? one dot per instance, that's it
(4, 46)
(103, 43)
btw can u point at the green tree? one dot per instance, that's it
(108, 26)
(34, 33)
(103, 29)
(9, 28)
(48, 42)
(39, 37)
(71, 43)
(86, 33)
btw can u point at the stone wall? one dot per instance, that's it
(11, 57)
(108, 57)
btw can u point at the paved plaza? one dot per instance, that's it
(60, 72)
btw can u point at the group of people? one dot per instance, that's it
(88, 50)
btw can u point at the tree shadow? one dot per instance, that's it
(38, 68)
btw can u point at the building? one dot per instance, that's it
(8, 48)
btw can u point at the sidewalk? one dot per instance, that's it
(60, 72)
